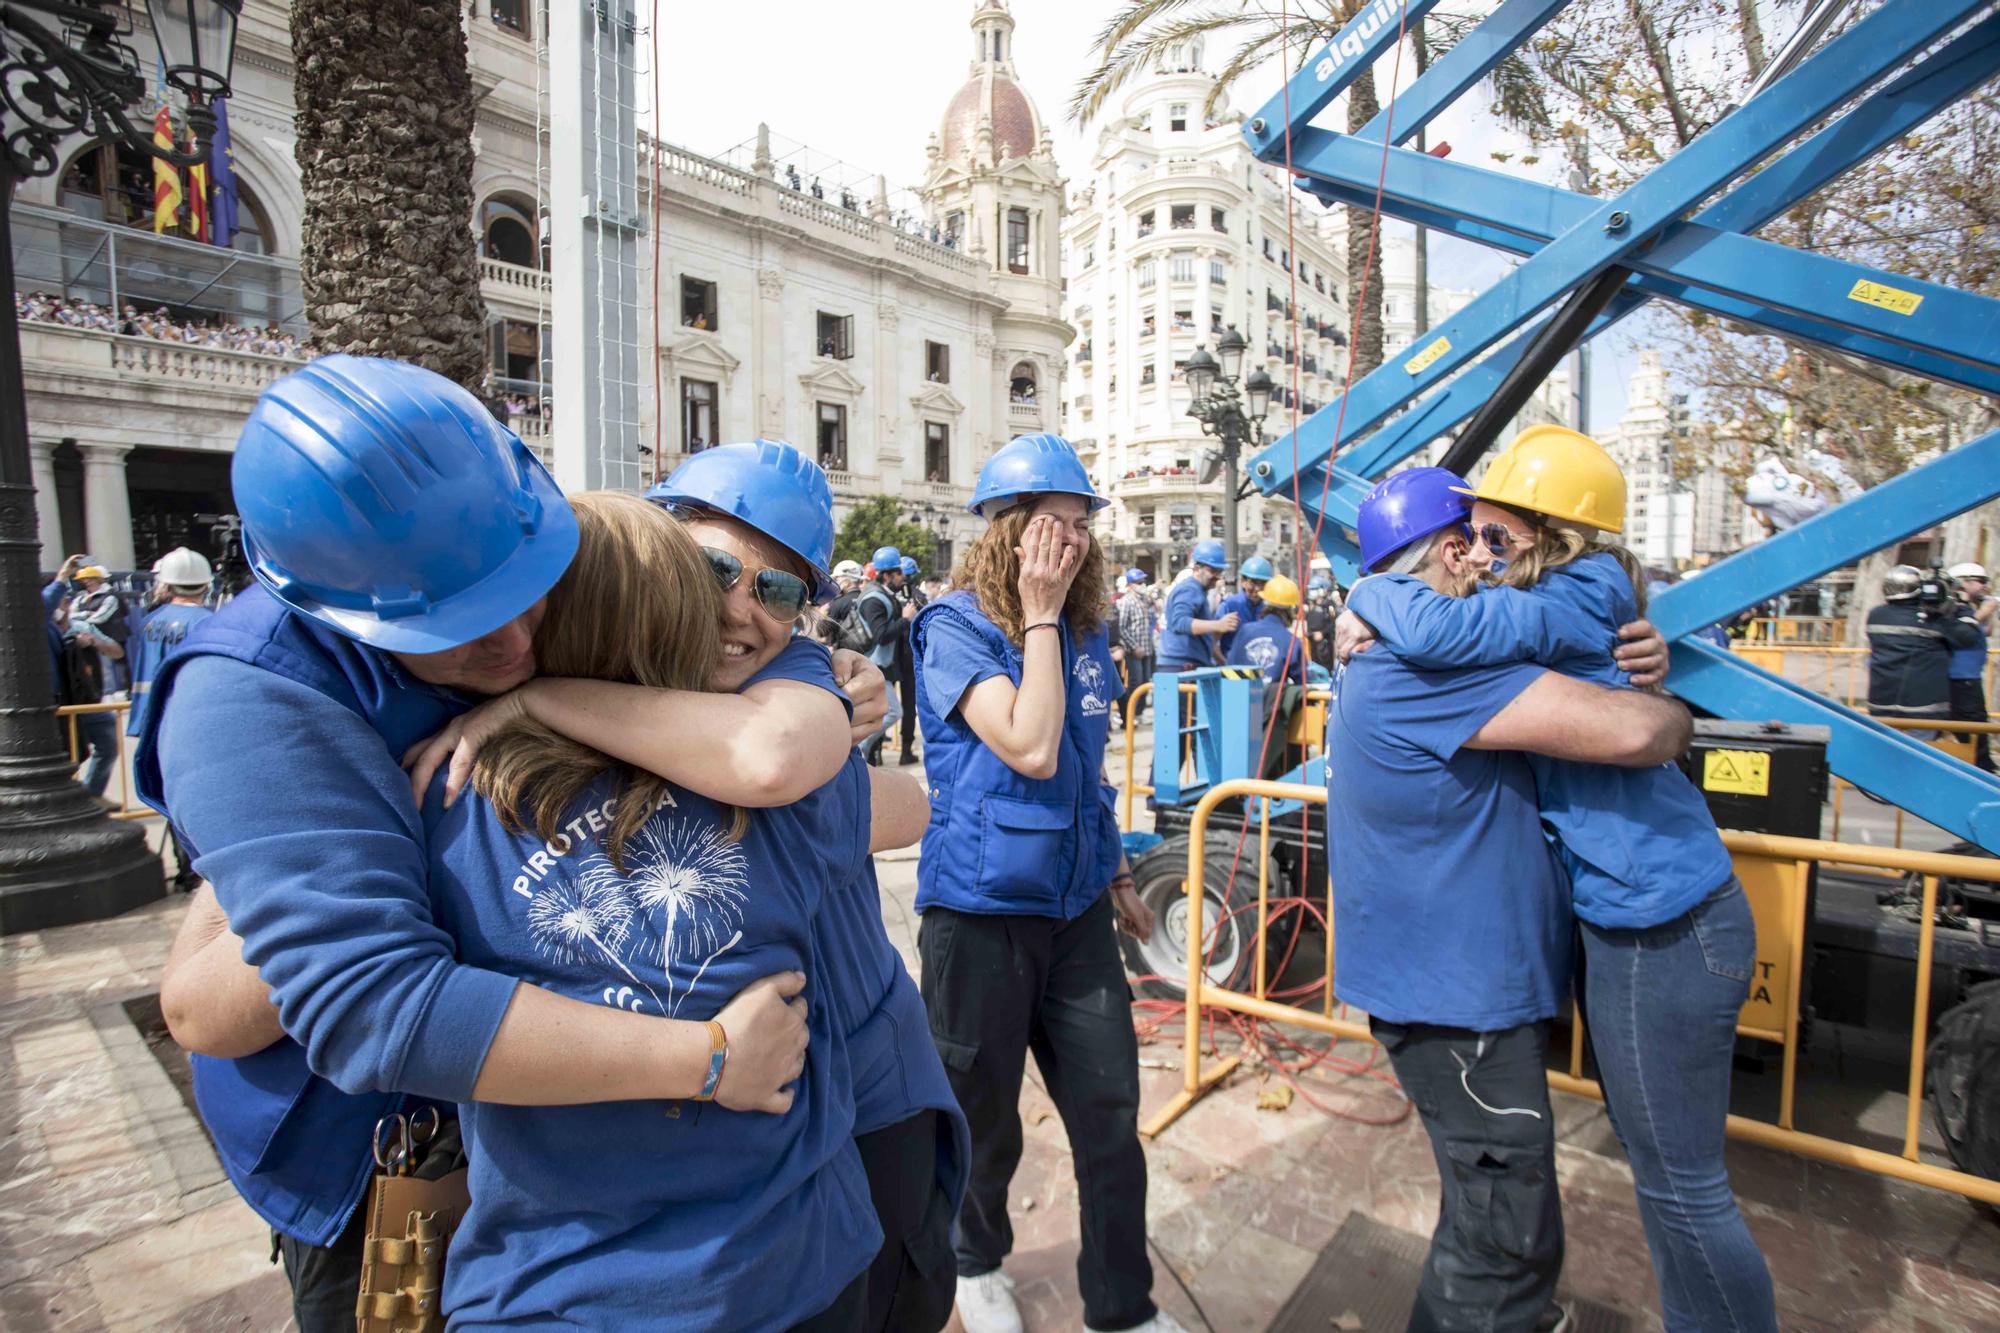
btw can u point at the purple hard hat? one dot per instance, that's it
(1411, 504)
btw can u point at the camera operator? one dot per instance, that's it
(1968, 665)
(1911, 638)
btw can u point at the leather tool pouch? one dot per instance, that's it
(410, 1222)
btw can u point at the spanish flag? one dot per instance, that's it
(197, 194)
(166, 178)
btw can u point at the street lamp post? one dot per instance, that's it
(66, 70)
(1235, 421)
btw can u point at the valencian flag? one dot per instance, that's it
(222, 170)
(166, 180)
(197, 193)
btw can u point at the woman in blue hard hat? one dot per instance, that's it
(1668, 940)
(1022, 879)
(1250, 581)
(762, 515)
(271, 743)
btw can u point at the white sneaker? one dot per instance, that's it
(986, 1304)
(1161, 1322)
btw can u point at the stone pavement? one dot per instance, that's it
(114, 1214)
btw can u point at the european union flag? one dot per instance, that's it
(222, 177)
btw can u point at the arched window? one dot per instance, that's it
(507, 231)
(1022, 383)
(114, 183)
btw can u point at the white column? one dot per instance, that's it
(47, 517)
(107, 507)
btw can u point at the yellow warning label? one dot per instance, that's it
(1887, 298)
(1423, 360)
(1742, 772)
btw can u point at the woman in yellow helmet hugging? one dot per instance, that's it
(1668, 941)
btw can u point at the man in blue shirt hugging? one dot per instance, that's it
(1451, 916)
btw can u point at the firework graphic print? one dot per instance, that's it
(694, 883)
(576, 921)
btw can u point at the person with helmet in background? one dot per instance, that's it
(1022, 879)
(1137, 615)
(881, 610)
(1188, 637)
(91, 620)
(847, 579)
(909, 600)
(181, 580)
(1242, 603)
(1457, 939)
(1968, 665)
(1668, 938)
(1320, 613)
(1911, 638)
(1266, 642)
(762, 514)
(271, 742)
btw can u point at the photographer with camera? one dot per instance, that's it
(1968, 665)
(1911, 638)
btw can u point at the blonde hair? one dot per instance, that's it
(637, 605)
(992, 571)
(1558, 544)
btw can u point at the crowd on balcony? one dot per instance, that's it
(1138, 473)
(225, 335)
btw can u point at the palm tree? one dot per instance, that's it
(385, 116)
(1143, 30)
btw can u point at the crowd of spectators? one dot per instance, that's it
(1150, 471)
(226, 335)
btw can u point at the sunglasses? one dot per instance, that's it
(783, 596)
(1498, 538)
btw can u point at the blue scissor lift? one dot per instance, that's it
(1681, 233)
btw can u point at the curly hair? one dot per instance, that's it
(992, 571)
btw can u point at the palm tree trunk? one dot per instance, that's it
(385, 115)
(1364, 243)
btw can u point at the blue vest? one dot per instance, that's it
(1246, 608)
(883, 654)
(296, 1147)
(1970, 663)
(1000, 843)
(159, 635)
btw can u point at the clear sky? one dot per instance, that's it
(865, 84)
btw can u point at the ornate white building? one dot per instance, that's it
(903, 351)
(1180, 234)
(904, 361)
(1671, 520)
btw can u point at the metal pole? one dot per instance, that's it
(61, 859)
(1232, 445)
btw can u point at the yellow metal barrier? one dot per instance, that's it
(1946, 740)
(1308, 729)
(1797, 629)
(69, 713)
(1140, 691)
(1835, 670)
(1774, 875)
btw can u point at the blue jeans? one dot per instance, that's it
(97, 737)
(1660, 1006)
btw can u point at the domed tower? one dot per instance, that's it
(993, 187)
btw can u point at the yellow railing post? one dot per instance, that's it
(1920, 1021)
(1144, 687)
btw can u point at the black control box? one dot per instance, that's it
(1760, 777)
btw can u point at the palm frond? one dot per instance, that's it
(1120, 28)
(1252, 53)
(1119, 66)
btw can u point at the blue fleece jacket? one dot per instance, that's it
(1639, 843)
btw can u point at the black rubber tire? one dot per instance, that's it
(1962, 1077)
(1158, 969)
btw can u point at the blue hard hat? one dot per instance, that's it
(887, 560)
(1135, 576)
(909, 567)
(1256, 567)
(1317, 583)
(1411, 504)
(1210, 553)
(1031, 465)
(770, 486)
(384, 501)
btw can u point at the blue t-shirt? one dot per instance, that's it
(1246, 610)
(1448, 905)
(1268, 643)
(1639, 844)
(657, 1215)
(162, 631)
(1180, 646)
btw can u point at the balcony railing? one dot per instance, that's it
(56, 348)
(504, 274)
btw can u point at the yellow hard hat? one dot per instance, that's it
(1281, 591)
(92, 572)
(1556, 471)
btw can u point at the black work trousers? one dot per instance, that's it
(325, 1279)
(905, 683)
(997, 987)
(1497, 1252)
(913, 1281)
(1968, 704)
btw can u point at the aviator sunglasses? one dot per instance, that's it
(783, 596)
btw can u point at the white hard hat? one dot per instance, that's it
(183, 568)
(1971, 569)
(847, 569)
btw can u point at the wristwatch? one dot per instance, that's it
(718, 1056)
